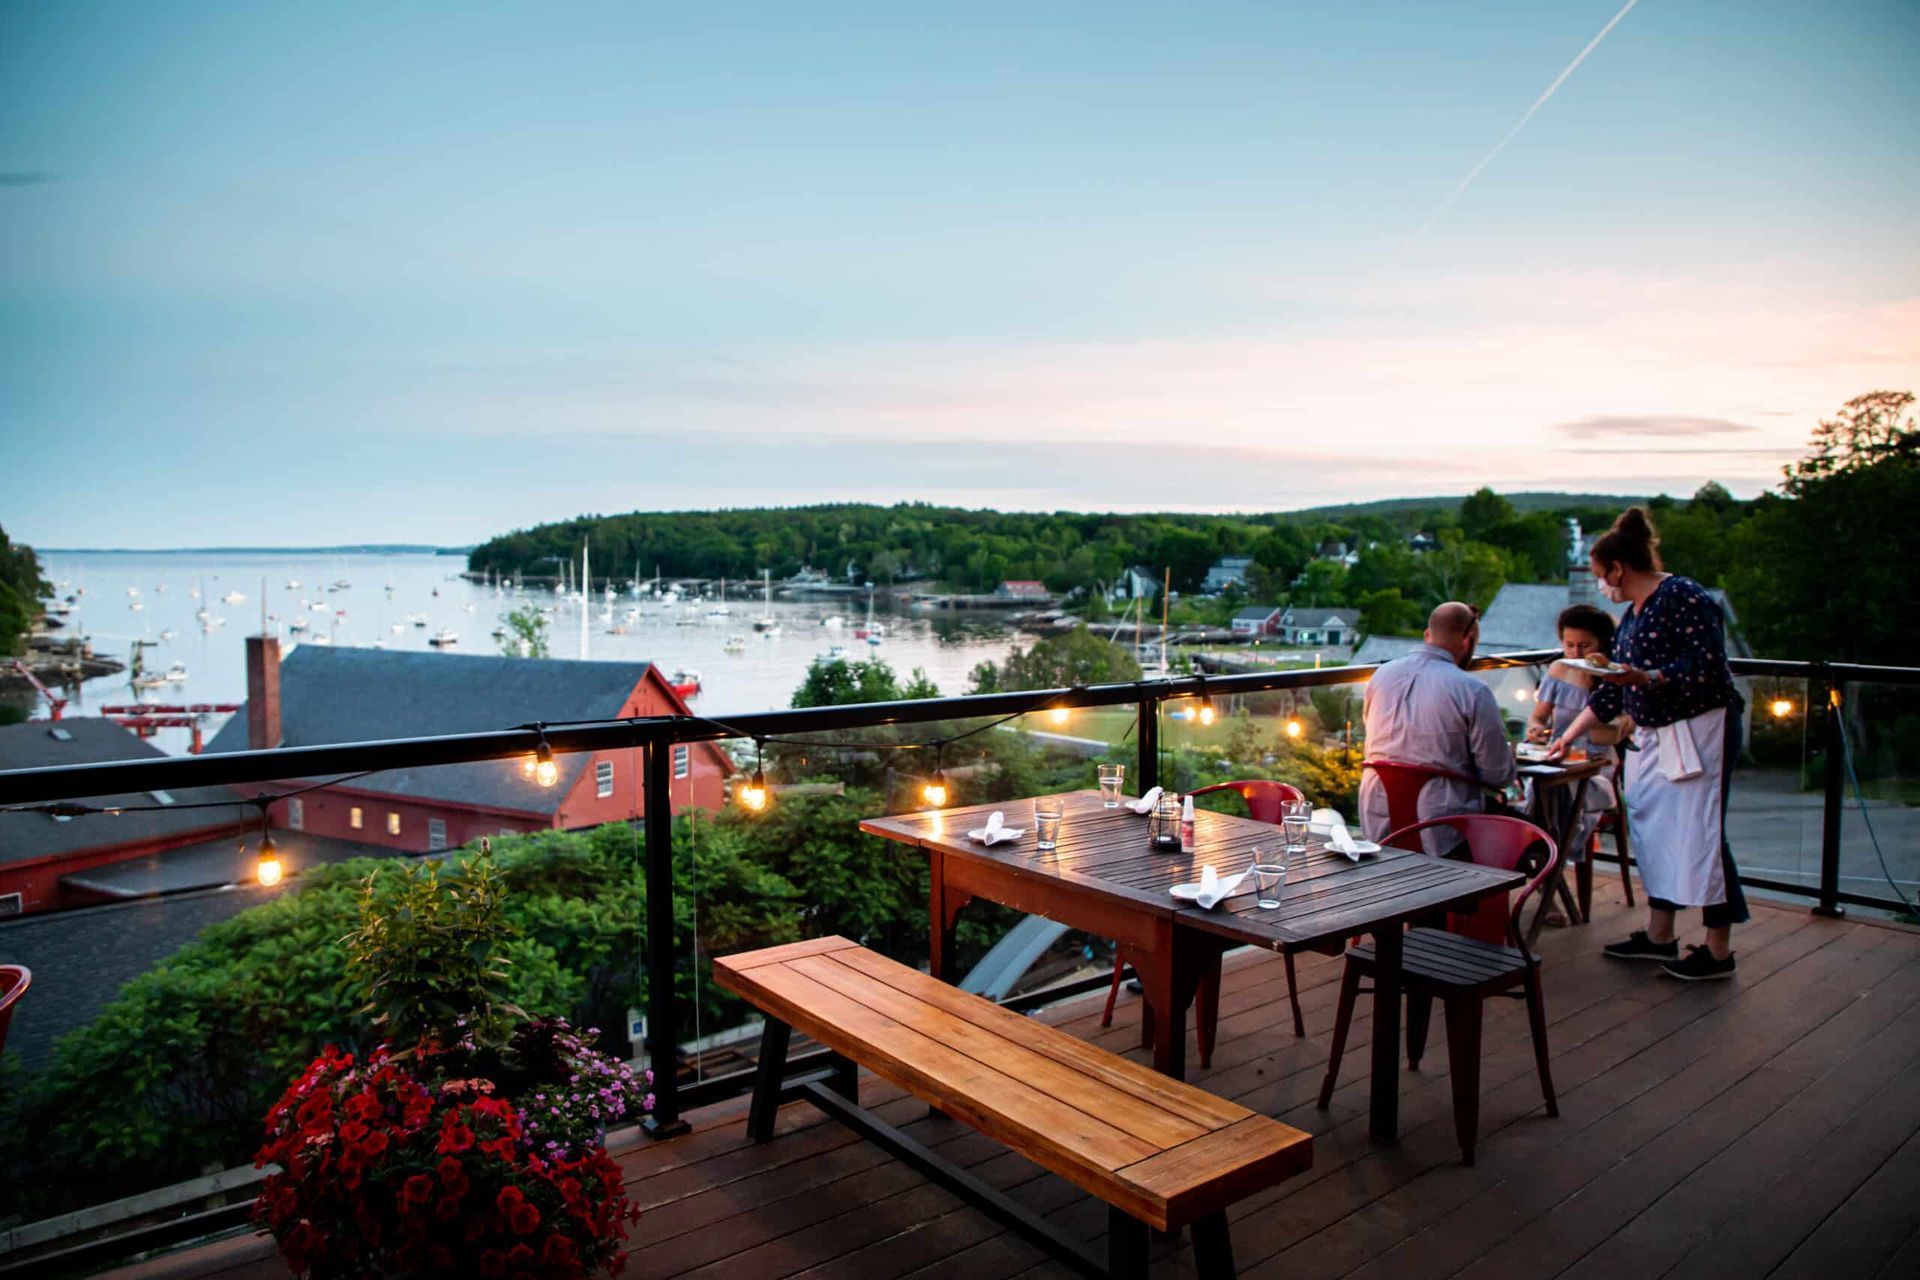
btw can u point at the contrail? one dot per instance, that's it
(1514, 132)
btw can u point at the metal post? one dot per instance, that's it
(1833, 806)
(663, 1023)
(1147, 730)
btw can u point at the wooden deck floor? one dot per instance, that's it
(1765, 1127)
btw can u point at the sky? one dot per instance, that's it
(287, 274)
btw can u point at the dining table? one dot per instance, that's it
(1559, 798)
(1105, 878)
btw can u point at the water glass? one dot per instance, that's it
(1112, 778)
(1047, 817)
(1269, 881)
(1295, 817)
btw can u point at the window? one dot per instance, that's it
(296, 814)
(393, 824)
(10, 904)
(356, 818)
(682, 760)
(603, 779)
(436, 833)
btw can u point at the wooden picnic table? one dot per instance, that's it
(1106, 880)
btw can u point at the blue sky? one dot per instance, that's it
(291, 273)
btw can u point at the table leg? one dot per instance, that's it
(943, 907)
(1386, 1033)
(1166, 1010)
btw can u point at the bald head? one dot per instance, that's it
(1454, 627)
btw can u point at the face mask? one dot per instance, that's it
(1612, 592)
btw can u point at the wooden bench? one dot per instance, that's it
(1160, 1153)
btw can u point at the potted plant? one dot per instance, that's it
(472, 1140)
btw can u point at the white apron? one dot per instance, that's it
(1677, 824)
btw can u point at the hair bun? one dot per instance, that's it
(1635, 526)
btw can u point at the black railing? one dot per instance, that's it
(1827, 685)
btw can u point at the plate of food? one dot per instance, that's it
(1597, 664)
(1530, 751)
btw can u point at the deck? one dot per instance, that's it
(1764, 1127)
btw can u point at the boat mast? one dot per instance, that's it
(586, 585)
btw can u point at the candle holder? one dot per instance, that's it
(1163, 825)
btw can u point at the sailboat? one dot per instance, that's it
(766, 624)
(873, 633)
(722, 609)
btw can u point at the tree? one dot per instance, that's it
(1323, 583)
(1823, 572)
(1482, 510)
(22, 587)
(526, 633)
(1283, 551)
(1056, 662)
(1866, 432)
(1388, 613)
(838, 682)
(1462, 570)
(1537, 544)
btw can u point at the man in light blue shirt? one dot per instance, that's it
(1423, 709)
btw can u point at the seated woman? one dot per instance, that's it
(1584, 632)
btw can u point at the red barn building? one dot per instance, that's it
(324, 694)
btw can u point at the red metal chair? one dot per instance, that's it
(14, 981)
(1462, 971)
(1403, 784)
(1265, 803)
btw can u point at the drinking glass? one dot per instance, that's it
(1294, 820)
(1112, 778)
(1047, 816)
(1269, 881)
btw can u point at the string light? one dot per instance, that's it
(544, 772)
(1294, 727)
(1781, 708)
(753, 796)
(934, 791)
(266, 866)
(1058, 715)
(1206, 713)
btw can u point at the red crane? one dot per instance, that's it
(55, 703)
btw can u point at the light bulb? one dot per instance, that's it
(1206, 711)
(1058, 715)
(1294, 727)
(753, 796)
(1782, 708)
(267, 869)
(526, 768)
(545, 771)
(935, 791)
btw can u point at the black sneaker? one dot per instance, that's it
(1699, 966)
(1641, 947)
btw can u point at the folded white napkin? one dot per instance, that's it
(1679, 754)
(1213, 889)
(1146, 802)
(996, 830)
(1330, 824)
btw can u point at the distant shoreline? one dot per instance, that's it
(365, 549)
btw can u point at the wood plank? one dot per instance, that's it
(1163, 1125)
(1119, 1073)
(788, 951)
(1211, 1172)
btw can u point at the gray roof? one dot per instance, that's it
(214, 864)
(1385, 648)
(1312, 616)
(338, 694)
(1256, 613)
(89, 740)
(1525, 615)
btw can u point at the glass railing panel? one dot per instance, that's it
(1880, 820)
(1310, 737)
(1774, 804)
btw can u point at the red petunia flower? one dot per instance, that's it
(525, 1220)
(493, 1262)
(417, 1190)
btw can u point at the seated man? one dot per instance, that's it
(1422, 709)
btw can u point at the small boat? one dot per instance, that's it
(136, 606)
(293, 584)
(234, 597)
(176, 674)
(319, 637)
(443, 639)
(617, 630)
(834, 654)
(721, 609)
(160, 588)
(499, 633)
(168, 633)
(417, 619)
(398, 628)
(833, 622)
(297, 625)
(873, 631)
(736, 643)
(321, 606)
(340, 584)
(685, 682)
(133, 592)
(154, 681)
(766, 624)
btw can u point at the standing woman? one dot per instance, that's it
(1672, 678)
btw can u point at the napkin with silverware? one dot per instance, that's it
(1335, 826)
(1213, 889)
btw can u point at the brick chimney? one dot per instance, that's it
(263, 692)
